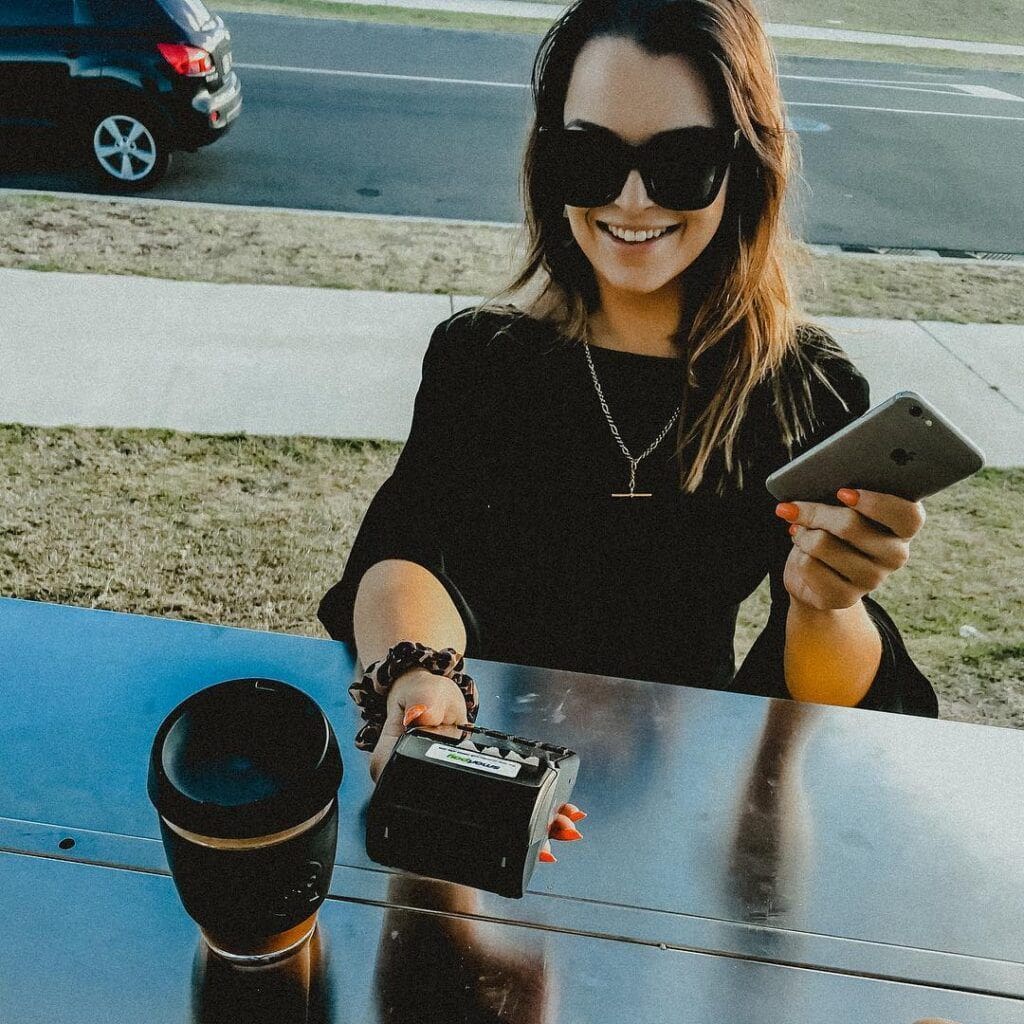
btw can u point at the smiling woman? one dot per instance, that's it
(535, 515)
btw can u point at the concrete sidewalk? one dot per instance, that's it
(270, 359)
(551, 11)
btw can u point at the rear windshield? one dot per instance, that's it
(192, 14)
(35, 13)
(187, 14)
(121, 13)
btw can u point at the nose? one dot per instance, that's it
(634, 194)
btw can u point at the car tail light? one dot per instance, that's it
(186, 60)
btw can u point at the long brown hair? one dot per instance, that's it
(744, 326)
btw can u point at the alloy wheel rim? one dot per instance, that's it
(125, 147)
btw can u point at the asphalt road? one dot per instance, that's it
(402, 120)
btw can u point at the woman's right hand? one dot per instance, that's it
(422, 698)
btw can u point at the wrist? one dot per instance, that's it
(808, 613)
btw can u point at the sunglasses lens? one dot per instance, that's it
(582, 167)
(685, 169)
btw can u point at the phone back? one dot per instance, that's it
(904, 446)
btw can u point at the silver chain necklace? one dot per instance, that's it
(633, 463)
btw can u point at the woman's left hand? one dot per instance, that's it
(840, 554)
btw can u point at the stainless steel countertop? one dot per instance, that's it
(853, 842)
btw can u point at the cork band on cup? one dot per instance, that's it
(272, 839)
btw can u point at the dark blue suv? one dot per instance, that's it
(126, 82)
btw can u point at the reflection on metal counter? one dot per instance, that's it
(769, 854)
(474, 972)
(95, 945)
(292, 991)
(473, 811)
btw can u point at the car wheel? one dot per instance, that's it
(126, 148)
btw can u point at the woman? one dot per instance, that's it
(583, 484)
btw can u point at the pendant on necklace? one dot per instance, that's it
(632, 480)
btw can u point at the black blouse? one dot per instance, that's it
(503, 492)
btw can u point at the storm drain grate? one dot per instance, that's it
(956, 254)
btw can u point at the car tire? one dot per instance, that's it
(125, 144)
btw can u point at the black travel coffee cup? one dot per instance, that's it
(244, 776)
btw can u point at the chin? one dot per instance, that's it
(641, 282)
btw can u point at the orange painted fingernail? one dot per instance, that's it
(787, 510)
(567, 834)
(413, 713)
(792, 530)
(577, 815)
(548, 858)
(847, 496)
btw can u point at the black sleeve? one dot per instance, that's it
(406, 518)
(899, 685)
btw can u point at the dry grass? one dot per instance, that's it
(250, 531)
(196, 243)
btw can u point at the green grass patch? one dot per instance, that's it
(251, 531)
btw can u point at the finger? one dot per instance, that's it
(545, 855)
(572, 811)
(427, 701)
(411, 714)
(436, 716)
(563, 828)
(904, 518)
(861, 534)
(851, 564)
(430, 716)
(815, 584)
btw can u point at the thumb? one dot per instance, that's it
(419, 714)
(427, 712)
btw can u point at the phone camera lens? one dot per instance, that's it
(916, 410)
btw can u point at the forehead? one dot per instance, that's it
(620, 86)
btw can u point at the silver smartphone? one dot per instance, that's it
(904, 446)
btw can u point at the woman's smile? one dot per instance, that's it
(630, 240)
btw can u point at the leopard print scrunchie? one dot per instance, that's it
(371, 691)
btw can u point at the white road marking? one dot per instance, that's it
(943, 88)
(898, 110)
(984, 92)
(379, 74)
(521, 85)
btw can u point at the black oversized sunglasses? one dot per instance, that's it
(682, 169)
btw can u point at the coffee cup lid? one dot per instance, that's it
(244, 758)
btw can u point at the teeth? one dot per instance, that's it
(635, 236)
